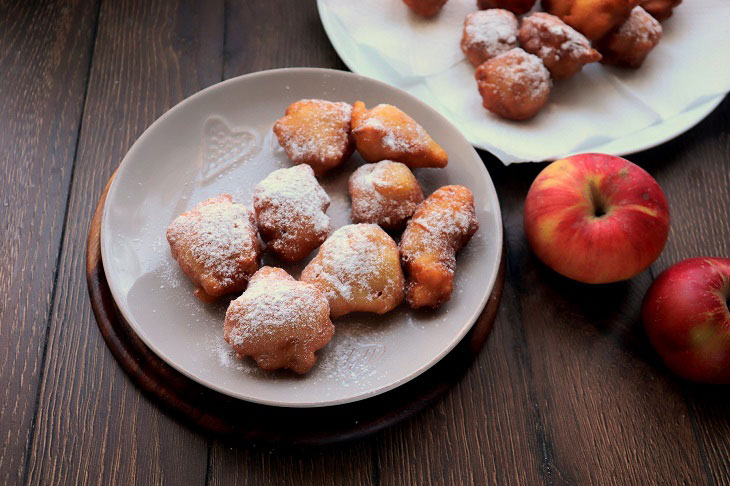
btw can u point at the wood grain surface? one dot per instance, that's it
(566, 391)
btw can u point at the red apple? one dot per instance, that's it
(596, 218)
(687, 319)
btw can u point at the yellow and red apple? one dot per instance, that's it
(596, 218)
(686, 317)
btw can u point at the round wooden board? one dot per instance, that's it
(237, 420)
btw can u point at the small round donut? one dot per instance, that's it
(290, 209)
(278, 322)
(514, 85)
(562, 49)
(358, 269)
(216, 245)
(386, 194)
(517, 7)
(488, 33)
(425, 8)
(632, 41)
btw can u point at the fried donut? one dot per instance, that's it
(385, 132)
(357, 269)
(442, 225)
(316, 132)
(592, 18)
(561, 48)
(514, 85)
(216, 245)
(515, 6)
(659, 9)
(425, 8)
(488, 33)
(278, 322)
(386, 193)
(290, 209)
(631, 42)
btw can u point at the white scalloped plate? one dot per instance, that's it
(366, 61)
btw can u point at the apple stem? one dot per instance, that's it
(599, 207)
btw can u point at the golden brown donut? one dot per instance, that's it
(659, 9)
(357, 269)
(386, 133)
(386, 193)
(514, 85)
(278, 322)
(290, 209)
(630, 43)
(515, 6)
(216, 245)
(316, 132)
(592, 18)
(561, 48)
(442, 225)
(488, 33)
(425, 8)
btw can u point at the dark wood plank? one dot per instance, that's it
(93, 425)
(42, 90)
(330, 466)
(266, 35)
(274, 34)
(694, 172)
(484, 431)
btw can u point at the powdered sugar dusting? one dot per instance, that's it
(292, 199)
(640, 26)
(492, 31)
(526, 69)
(323, 135)
(548, 36)
(370, 205)
(403, 137)
(216, 233)
(272, 304)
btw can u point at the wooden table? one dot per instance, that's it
(567, 390)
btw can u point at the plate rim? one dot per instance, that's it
(702, 111)
(105, 238)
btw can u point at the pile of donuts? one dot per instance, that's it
(517, 63)
(281, 322)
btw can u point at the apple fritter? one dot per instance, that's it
(386, 193)
(514, 85)
(317, 133)
(659, 9)
(441, 226)
(515, 6)
(488, 33)
(357, 269)
(386, 133)
(290, 209)
(562, 49)
(592, 18)
(278, 322)
(630, 43)
(216, 245)
(425, 8)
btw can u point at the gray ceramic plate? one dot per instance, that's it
(220, 140)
